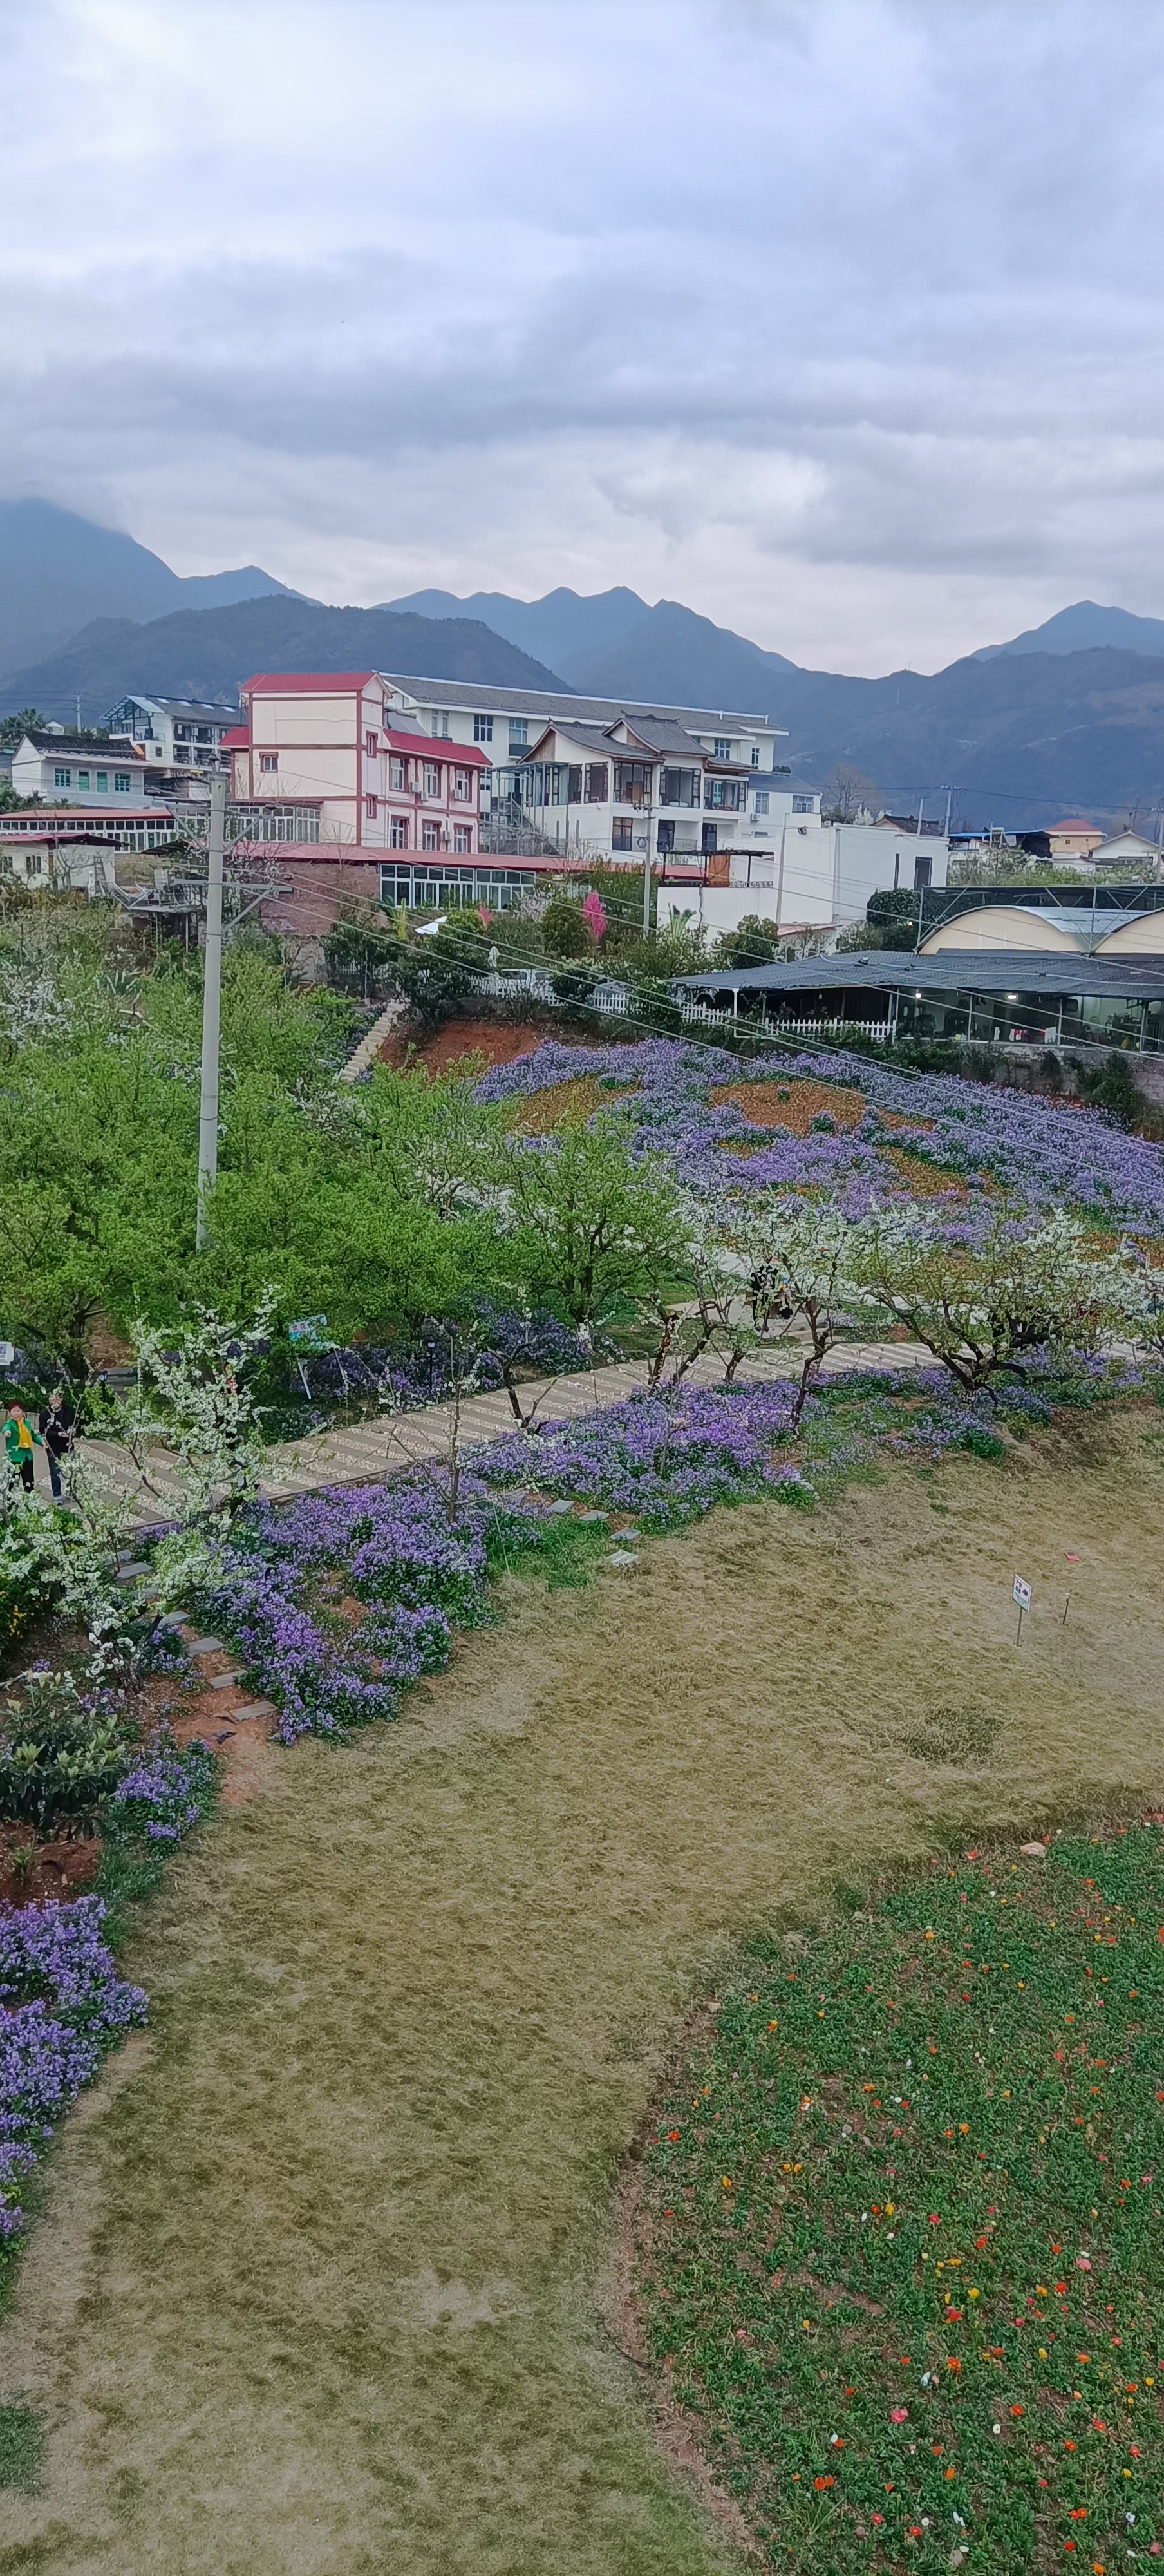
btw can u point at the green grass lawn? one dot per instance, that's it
(327, 2280)
(900, 2244)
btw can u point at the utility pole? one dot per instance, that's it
(211, 998)
(647, 861)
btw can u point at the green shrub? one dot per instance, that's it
(59, 1762)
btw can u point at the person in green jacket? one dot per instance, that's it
(20, 1440)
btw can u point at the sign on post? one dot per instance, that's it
(1022, 1594)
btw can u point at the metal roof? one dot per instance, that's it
(547, 703)
(953, 970)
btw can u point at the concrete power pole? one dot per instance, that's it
(211, 1000)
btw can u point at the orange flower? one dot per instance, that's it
(951, 2364)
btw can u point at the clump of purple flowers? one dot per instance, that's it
(417, 1571)
(167, 1789)
(62, 2003)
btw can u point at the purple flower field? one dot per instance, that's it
(1043, 1155)
(61, 2005)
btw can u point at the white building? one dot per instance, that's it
(175, 733)
(510, 726)
(798, 871)
(63, 769)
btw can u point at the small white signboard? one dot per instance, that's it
(1022, 1593)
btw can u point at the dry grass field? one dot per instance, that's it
(323, 2282)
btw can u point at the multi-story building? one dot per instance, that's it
(65, 769)
(799, 871)
(317, 758)
(174, 733)
(529, 777)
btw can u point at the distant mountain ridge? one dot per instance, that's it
(206, 652)
(58, 571)
(1082, 629)
(1066, 717)
(1069, 717)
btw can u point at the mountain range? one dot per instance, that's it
(58, 570)
(1069, 715)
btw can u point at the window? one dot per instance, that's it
(432, 778)
(396, 774)
(62, 778)
(269, 761)
(430, 836)
(574, 786)
(721, 747)
(462, 839)
(922, 871)
(726, 793)
(396, 884)
(518, 733)
(622, 837)
(103, 781)
(761, 800)
(755, 760)
(631, 782)
(82, 778)
(482, 728)
(679, 787)
(803, 804)
(122, 782)
(463, 786)
(371, 745)
(597, 777)
(398, 832)
(371, 807)
(666, 837)
(440, 726)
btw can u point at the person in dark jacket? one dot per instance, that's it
(57, 1425)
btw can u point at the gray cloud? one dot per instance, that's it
(840, 321)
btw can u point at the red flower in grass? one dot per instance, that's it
(821, 2483)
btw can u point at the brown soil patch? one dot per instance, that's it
(494, 1041)
(566, 1104)
(901, 1118)
(60, 1868)
(793, 1105)
(924, 1180)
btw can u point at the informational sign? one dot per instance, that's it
(310, 1334)
(1022, 1593)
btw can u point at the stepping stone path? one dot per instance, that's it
(223, 1681)
(204, 1645)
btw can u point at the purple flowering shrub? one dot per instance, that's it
(666, 1458)
(393, 1547)
(62, 2004)
(1041, 1154)
(167, 1789)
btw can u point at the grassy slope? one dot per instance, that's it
(318, 2289)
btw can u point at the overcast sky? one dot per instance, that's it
(837, 319)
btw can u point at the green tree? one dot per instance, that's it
(592, 1231)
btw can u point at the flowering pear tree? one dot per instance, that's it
(983, 1293)
(803, 1283)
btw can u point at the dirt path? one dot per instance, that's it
(320, 2292)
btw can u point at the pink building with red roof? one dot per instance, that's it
(320, 749)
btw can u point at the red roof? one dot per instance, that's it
(312, 683)
(237, 739)
(438, 747)
(1076, 823)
